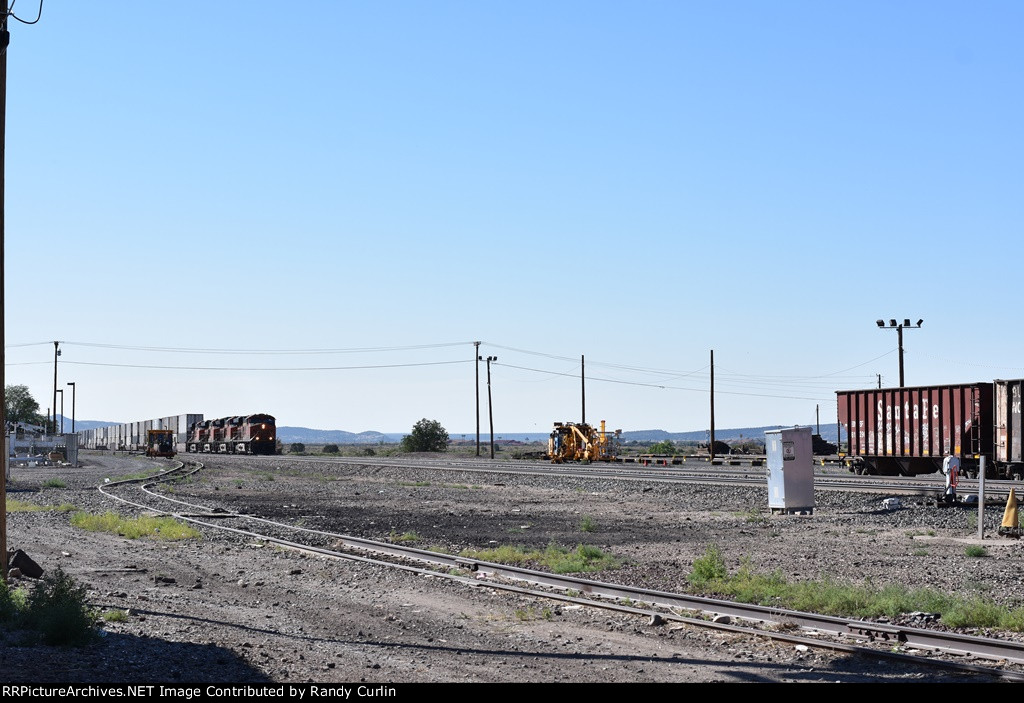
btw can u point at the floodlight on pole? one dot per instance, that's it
(899, 327)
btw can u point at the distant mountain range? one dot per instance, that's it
(307, 435)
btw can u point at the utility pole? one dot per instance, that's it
(711, 449)
(56, 353)
(476, 353)
(583, 392)
(5, 39)
(490, 407)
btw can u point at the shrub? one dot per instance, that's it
(330, 449)
(297, 448)
(57, 610)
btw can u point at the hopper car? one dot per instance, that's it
(910, 430)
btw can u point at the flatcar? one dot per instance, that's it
(909, 431)
(239, 434)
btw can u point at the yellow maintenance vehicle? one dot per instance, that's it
(572, 441)
(160, 443)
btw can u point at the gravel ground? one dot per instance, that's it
(226, 608)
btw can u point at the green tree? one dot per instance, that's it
(20, 406)
(427, 436)
(663, 447)
(330, 449)
(297, 448)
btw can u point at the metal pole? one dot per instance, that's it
(981, 498)
(711, 449)
(61, 391)
(583, 392)
(476, 353)
(72, 384)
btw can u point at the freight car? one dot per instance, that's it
(133, 436)
(241, 434)
(908, 431)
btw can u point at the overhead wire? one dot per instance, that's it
(189, 350)
(276, 368)
(743, 383)
(653, 385)
(10, 11)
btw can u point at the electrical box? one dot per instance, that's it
(790, 470)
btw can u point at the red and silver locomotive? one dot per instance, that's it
(241, 434)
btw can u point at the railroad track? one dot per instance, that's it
(930, 486)
(840, 634)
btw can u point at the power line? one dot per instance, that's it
(279, 368)
(659, 386)
(188, 350)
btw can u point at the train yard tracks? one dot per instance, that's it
(827, 478)
(876, 640)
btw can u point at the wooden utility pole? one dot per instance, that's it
(5, 39)
(476, 353)
(711, 449)
(56, 353)
(490, 407)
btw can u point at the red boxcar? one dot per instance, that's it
(910, 430)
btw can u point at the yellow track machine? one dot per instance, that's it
(572, 441)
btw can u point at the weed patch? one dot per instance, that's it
(829, 597)
(163, 528)
(115, 616)
(404, 538)
(22, 506)
(559, 560)
(54, 483)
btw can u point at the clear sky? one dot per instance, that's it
(637, 182)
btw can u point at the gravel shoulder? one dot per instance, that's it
(226, 608)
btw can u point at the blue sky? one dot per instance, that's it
(639, 183)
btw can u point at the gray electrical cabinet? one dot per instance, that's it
(790, 470)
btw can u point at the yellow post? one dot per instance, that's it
(1010, 523)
